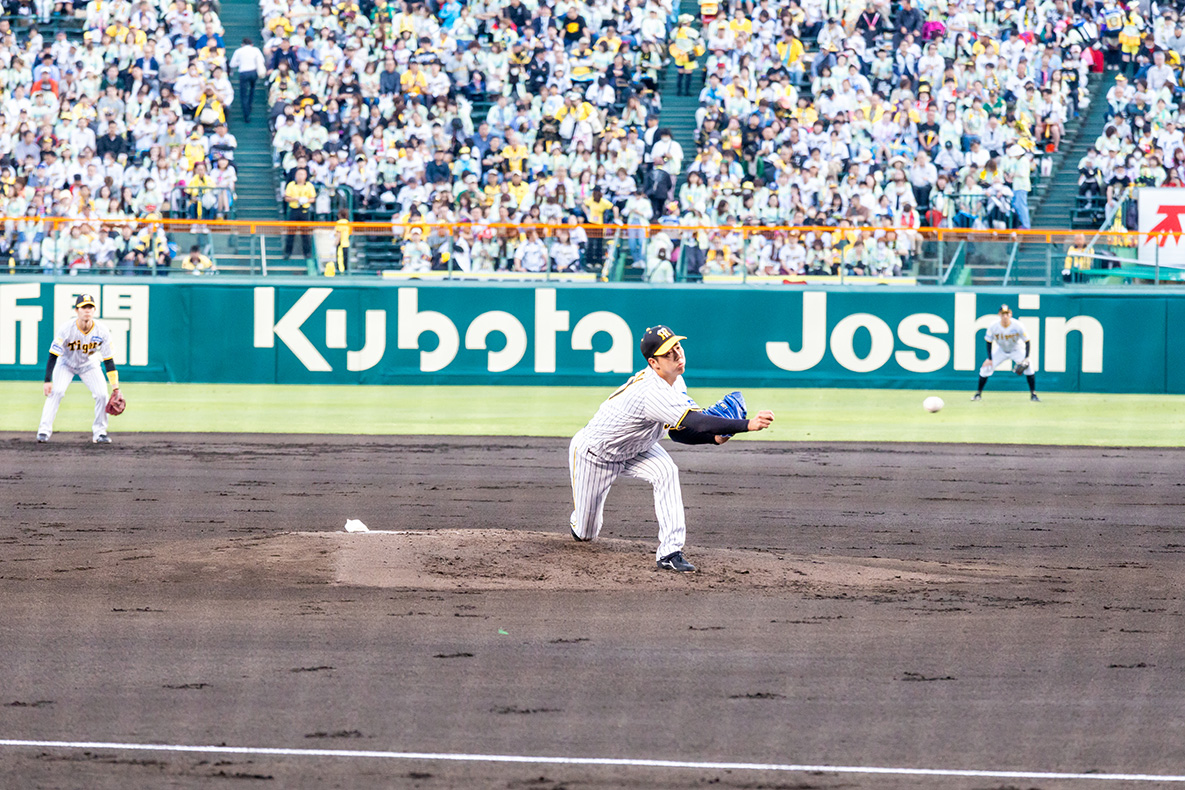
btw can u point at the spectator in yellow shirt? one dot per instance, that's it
(1078, 259)
(342, 231)
(741, 24)
(414, 82)
(196, 262)
(597, 209)
(194, 150)
(518, 188)
(200, 191)
(514, 152)
(209, 111)
(299, 195)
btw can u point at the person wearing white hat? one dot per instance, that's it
(417, 256)
(686, 47)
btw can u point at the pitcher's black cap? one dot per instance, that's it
(658, 340)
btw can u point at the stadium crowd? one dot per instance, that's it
(490, 114)
(118, 113)
(1143, 143)
(810, 114)
(480, 113)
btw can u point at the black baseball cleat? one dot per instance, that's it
(42, 438)
(102, 439)
(977, 396)
(577, 538)
(675, 562)
(1033, 397)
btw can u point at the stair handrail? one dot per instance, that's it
(960, 251)
(1011, 260)
(1109, 217)
(342, 194)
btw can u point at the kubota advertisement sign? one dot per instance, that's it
(298, 331)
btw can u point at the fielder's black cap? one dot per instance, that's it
(658, 340)
(84, 300)
(1005, 308)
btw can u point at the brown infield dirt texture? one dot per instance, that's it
(897, 606)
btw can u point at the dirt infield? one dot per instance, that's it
(875, 606)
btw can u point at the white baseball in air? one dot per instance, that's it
(933, 403)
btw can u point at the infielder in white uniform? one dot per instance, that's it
(1007, 339)
(76, 351)
(622, 439)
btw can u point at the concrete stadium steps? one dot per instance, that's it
(256, 189)
(1052, 202)
(678, 112)
(1055, 199)
(986, 263)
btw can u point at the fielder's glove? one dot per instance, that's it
(1021, 368)
(116, 404)
(731, 406)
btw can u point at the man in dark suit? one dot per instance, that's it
(111, 142)
(658, 187)
(908, 21)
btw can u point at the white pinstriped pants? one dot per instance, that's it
(592, 478)
(95, 381)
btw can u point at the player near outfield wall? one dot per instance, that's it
(1007, 340)
(76, 350)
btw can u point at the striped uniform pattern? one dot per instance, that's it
(1007, 343)
(622, 439)
(78, 354)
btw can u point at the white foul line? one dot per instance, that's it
(601, 761)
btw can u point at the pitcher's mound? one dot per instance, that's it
(450, 559)
(481, 559)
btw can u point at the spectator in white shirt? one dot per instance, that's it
(1160, 74)
(82, 136)
(653, 29)
(565, 254)
(189, 87)
(668, 147)
(531, 254)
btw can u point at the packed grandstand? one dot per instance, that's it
(774, 137)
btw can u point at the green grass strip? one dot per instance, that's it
(1005, 416)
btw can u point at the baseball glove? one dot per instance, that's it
(731, 406)
(1021, 368)
(116, 404)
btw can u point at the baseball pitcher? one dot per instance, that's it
(622, 439)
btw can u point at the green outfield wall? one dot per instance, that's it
(338, 332)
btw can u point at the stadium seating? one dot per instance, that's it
(389, 108)
(804, 143)
(112, 111)
(802, 120)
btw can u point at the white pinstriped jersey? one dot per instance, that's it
(1007, 339)
(633, 418)
(80, 350)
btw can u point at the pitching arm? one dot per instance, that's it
(704, 428)
(698, 422)
(686, 436)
